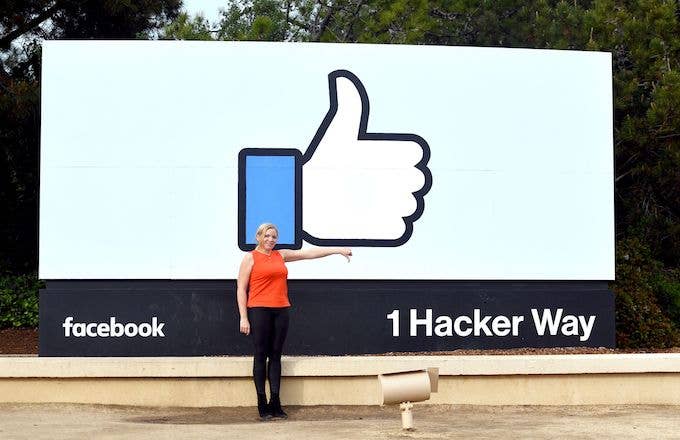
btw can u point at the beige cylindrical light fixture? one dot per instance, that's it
(412, 386)
(407, 387)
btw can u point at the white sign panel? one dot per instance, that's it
(158, 160)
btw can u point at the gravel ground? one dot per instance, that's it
(68, 421)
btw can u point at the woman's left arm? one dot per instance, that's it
(312, 253)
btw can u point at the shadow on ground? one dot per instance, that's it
(234, 416)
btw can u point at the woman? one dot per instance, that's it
(262, 295)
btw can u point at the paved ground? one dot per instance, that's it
(66, 421)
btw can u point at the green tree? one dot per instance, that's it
(254, 20)
(186, 27)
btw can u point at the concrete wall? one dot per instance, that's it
(351, 380)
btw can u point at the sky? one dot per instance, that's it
(209, 8)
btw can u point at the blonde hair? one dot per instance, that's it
(263, 228)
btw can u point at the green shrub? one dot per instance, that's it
(666, 286)
(19, 300)
(643, 302)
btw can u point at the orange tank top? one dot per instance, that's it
(267, 285)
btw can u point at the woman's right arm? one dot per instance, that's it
(241, 294)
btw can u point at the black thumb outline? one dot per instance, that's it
(363, 135)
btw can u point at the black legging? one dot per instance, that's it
(268, 327)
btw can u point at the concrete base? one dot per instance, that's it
(225, 381)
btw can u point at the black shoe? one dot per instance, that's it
(263, 408)
(275, 407)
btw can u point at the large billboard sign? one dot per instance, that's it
(435, 164)
(471, 163)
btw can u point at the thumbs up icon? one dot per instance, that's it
(349, 188)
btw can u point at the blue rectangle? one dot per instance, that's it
(270, 196)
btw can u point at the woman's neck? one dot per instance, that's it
(262, 251)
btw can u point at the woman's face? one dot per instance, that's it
(268, 239)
